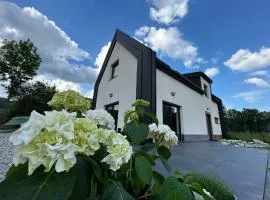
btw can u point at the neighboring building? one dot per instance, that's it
(185, 102)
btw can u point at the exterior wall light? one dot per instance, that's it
(111, 95)
(173, 94)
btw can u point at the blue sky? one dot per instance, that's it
(230, 40)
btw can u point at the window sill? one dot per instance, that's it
(113, 78)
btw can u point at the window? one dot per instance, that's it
(216, 120)
(113, 110)
(114, 69)
(205, 88)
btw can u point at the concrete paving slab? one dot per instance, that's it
(242, 169)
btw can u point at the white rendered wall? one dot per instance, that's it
(122, 87)
(193, 105)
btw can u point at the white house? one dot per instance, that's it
(185, 102)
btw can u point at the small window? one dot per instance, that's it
(114, 70)
(216, 120)
(205, 88)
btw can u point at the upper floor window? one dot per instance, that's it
(216, 120)
(114, 69)
(205, 89)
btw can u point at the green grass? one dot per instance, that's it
(265, 137)
(213, 185)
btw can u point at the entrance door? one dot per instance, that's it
(209, 126)
(171, 117)
(113, 110)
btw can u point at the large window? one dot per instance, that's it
(171, 117)
(113, 110)
(114, 69)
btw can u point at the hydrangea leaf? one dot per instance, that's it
(40, 185)
(164, 152)
(143, 169)
(136, 132)
(116, 192)
(174, 190)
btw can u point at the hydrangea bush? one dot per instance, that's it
(74, 153)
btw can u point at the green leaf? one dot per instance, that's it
(148, 156)
(157, 187)
(143, 169)
(96, 168)
(82, 171)
(152, 116)
(40, 185)
(136, 132)
(173, 190)
(164, 152)
(116, 192)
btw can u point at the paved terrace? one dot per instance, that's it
(242, 169)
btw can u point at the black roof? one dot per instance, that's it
(198, 74)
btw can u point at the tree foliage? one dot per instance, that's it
(18, 64)
(33, 96)
(248, 120)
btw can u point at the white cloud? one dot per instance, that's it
(170, 42)
(257, 81)
(259, 73)
(211, 72)
(61, 56)
(244, 60)
(89, 94)
(101, 56)
(250, 97)
(168, 11)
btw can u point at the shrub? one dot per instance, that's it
(213, 185)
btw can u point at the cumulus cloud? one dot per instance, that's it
(244, 60)
(259, 73)
(170, 42)
(168, 11)
(250, 97)
(101, 56)
(257, 81)
(211, 72)
(62, 85)
(61, 56)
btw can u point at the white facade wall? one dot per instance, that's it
(122, 87)
(193, 105)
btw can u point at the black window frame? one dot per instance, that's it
(205, 89)
(112, 105)
(178, 107)
(113, 67)
(216, 120)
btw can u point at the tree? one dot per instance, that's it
(32, 97)
(18, 64)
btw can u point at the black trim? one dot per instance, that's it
(113, 66)
(111, 104)
(146, 68)
(222, 121)
(198, 74)
(178, 76)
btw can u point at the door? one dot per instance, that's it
(171, 117)
(209, 126)
(113, 110)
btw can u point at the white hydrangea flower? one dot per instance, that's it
(28, 130)
(101, 117)
(50, 142)
(119, 151)
(162, 135)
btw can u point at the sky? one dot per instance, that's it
(228, 40)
